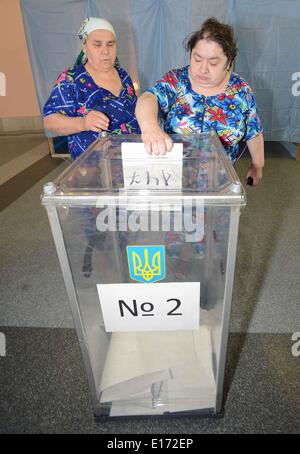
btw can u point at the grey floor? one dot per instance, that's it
(14, 146)
(43, 385)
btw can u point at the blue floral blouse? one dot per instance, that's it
(232, 114)
(75, 94)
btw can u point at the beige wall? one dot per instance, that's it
(20, 99)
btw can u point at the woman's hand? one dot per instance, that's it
(96, 121)
(156, 140)
(256, 149)
(255, 173)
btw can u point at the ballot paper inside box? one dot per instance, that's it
(147, 249)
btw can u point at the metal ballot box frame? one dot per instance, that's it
(147, 248)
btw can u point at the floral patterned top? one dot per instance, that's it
(232, 114)
(75, 94)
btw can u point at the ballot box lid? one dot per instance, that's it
(118, 166)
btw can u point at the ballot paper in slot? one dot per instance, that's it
(154, 373)
(144, 171)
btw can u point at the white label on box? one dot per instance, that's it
(144, 171)
(150, 307)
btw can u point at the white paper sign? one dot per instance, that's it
(150, 307)
(144, 171)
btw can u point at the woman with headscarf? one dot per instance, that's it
(94, 95)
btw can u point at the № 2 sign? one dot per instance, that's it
(154, 307)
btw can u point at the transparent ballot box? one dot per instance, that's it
(147, 248)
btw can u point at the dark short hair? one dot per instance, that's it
(214, 30)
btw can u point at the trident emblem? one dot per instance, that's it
(146, 263)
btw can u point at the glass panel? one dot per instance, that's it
(150, 372)
(205, 166)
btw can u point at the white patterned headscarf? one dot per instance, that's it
(94, 23)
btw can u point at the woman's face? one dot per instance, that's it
(101, 49)
(208, 64)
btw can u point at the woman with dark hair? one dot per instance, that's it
(202, 96)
